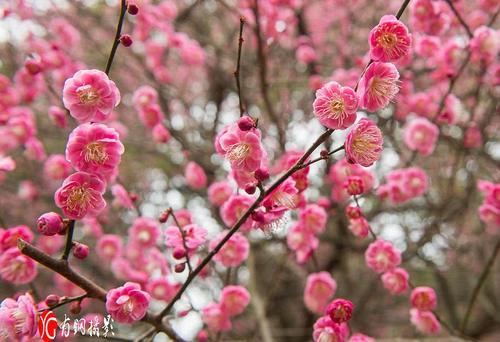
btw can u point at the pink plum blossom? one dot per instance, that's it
(234, 251)
(425, 321)
(219, 192)
(127, 304)
(320, 288)
(382, 256)
(195, 236)
(234, 299)
(94, 148)
(363, 144)
(90, 95)
(423, 298)
(144, 232)
(243, 149)
(56, 167)
(18, 319)
(81, 195)
(420, 135)
(396, 280)
(17, 268)
(389, 40)
(195, 176)
(378, 86)
(335, 106)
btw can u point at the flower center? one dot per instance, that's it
(238, 152)
(383, 87)
(87, 94)
(337, 108)
(387, 40)
(79, 198)
(95, 152)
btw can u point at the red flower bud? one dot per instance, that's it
(132, 9)
(80, 250)
(179, 268)
(126, 40)
(52, 300)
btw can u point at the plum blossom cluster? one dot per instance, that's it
(15, 267)
(403, 185)
(145, 101)
(489, 211)
(302, 237)
(233, 301)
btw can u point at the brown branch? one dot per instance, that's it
(92, 289)
(69, 240)
(264, 86)
(238, 65)
(183, 235)
(479, 285)
(460, 19)
(116, 42)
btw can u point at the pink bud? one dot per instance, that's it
(258, 216)
(50, 224)
(261, 175)
(126, 40)
(250, 189)
(202, 336)
(353, 212)
(52, 300)
(80, 250)
(33, 66)
(132, 9)
(179, 268)
(163, 217)
(184, 313)
(179, 253)
(75, 308)
(246, 123)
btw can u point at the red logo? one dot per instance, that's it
(47, 326)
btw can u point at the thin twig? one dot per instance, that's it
(118, 33)
(65, 301)
(238, 65)
(183, 235)
(479, 285)
(460, 19)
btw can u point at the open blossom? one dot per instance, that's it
(423, 298)
(58, 116)
(162, 288)
(389, 40)
(335, 106)
(109, 246)
(381, 256)
(326, 330)
(56, 167)
(285, 195)
(313, 218)
(363, 144)
(320, 288)
(425, 321)
(358, 337)
(234, 251)
(340, 310)
(144, 96)
(195, 176)
(121, 196)
(404, 184)
(484, 44)
(94, 148)
(219, 192)
(359, 227)
(127, 303)
(396, 280)
(144, 232)
(243, 149)
(9, 237)
(420, 135)
(90, 95)
(216, 318)
(195, 236)
(17, 268)
(81, 195)
(378, 86)
(300, 240)
(234, 299)
(18, 318)
(234, 208)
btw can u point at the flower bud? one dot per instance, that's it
(126, 40)
(353, 212)
(164, 217)
(132, 9)
(179, 268)
(246, 123)
(75, 308)
(250, 189)
(50, 224)
(261, 175)
(52, 300)
(179, 253)
(34, 66)
(80, 250)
